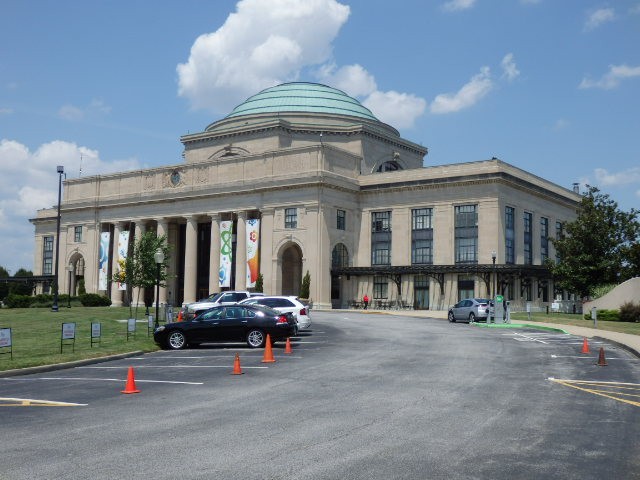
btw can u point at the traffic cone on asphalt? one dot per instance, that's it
(268, 352)
(236, 366)
(585, 346)
(130, 387)
(287, 347)
(601, 360)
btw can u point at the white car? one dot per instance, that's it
(190, 310)
(285, 305)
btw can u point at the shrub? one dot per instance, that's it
(630, 312)
(605, 315)
(18, 301)
(81, 288)
(94, 300)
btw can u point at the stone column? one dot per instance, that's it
(116, 295)
(214, 259)
(162, 229)
(241, 252)
(191, 260)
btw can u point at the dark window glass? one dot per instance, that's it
(77, 234)
(341, 220)
(380, 285)
(421, 236)
(509, 234)
(528, 250)
(466, 234)
(47, 256)
(290, 218)
(544, 239)
(381, 238)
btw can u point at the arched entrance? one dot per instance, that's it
(74, 274)
(291, 270)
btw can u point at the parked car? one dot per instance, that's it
(227, 323)
(286, 305)
(190, 310)
(470, 310)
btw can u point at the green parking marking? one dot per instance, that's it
(614, 390)
(30, 402)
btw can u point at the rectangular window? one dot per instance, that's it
(544, 239)
(466, 285)
(528, 250)
(421, 236)
(341, 220)
(47, 256)
(380, 285)
(290, 218)
(381, 238)
(559, 236)
(466, 234)
(77, 234)
(509, 235)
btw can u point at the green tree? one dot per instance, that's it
(139, 269)
(4, 286)
(22, 288)
(595, 247)
(305, 288)
(259, 283)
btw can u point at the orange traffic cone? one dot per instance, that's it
(268, 352)
(585, 346)
(287, 347)
(601, 360)
(236, 366)
(130, 387)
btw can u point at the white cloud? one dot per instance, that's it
(635, 10)
(560, 124)
(265, 42)
(530, 2)
(471, 93)
(599, 17)
(30, 182)
(509, 67)
(70, 112)
(457, 5)
(612, 78)
(6, 111)
(625, 177)
(74, 113)
(397, 109)
(352, 79)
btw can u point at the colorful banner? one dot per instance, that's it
(253, 242)
(123, 248)
(103, 261)
(224, 274)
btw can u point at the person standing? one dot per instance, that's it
(365, 301)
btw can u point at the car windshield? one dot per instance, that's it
(264, 309)
(212, 298)
(482, 300)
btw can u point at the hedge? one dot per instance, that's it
(46, 300)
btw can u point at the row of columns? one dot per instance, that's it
(190, 255)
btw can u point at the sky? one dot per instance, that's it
(550, 86)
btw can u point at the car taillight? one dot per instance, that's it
(303, 311)
(281, 319)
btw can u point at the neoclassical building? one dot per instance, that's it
(303, 178)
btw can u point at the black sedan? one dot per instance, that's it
(228, 323)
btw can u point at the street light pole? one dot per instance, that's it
(493, 271)
(159, 258)
(54, 307)
(70, 270)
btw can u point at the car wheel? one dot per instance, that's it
(452, 317)
(256, 338)
(472, 317)
(176, 340)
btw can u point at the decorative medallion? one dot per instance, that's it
(175, 178)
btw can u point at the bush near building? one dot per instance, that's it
(46, 300)
(630, 312)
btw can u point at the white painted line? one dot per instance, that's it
(49, 403)
(591, 381)
(305, 342)
(123, 380)
(230, 367)
(584, 356)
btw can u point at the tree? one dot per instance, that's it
(305, 288)
(4, 287)
(139, 269)
(25, 288)
(259, 283)
(595, 248)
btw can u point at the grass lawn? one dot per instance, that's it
(578, 321)
(36, 335)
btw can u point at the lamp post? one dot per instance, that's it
(159, 258)
(70, 270)
(54, 307)
(493, 271)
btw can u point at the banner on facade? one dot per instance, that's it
(224, 274)
(123, 248)
(103, 261)
(253, 242)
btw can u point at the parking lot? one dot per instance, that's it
(360, 396)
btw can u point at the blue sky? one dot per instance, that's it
(549, 86)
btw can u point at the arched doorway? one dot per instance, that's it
(291, 270)
(75, 274)
(339, 259)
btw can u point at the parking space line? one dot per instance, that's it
(168, 366)
(86, 379)
(612, 394)
(585, 356)
(31, 402)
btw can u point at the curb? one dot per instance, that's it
(519, 325)
(623, 346)
(62, 366)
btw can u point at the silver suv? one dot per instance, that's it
(470, 310)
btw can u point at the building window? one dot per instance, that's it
(381, 238)
(77, 234)
(380, 285)
(47, 256)
(290, 218)
(466, 286)
(339, 256)
(341, 220)
(421, 236)
(528, 250)
(544, 239)
(466, 234)
(509, 235)
(559, 236)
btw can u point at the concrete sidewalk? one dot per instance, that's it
(627, 341)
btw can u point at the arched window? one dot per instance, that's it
(389, 166)
(339, 256)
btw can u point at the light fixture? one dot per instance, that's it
(54, 307)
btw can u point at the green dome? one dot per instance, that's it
(302, 97)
